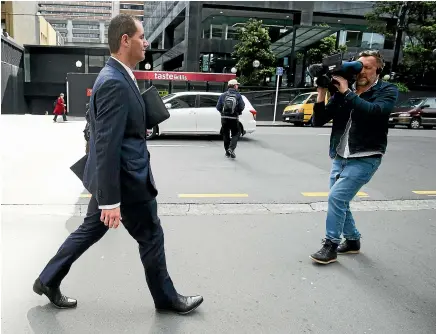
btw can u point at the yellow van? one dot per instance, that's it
(299, 111)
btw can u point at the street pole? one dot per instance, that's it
(398, 41)
(279, 72)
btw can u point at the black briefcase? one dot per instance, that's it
(79, 167)
(155, 110)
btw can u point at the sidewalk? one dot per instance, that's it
(276, 123)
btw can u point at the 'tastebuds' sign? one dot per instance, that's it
(183, 76)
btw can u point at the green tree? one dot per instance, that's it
(254, 44)
(418, 63)
(324, 47)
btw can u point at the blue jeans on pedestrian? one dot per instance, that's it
(347, 177)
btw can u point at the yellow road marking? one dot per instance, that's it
(85, 195)
(325, 194)
(211, 195)
(425, 192)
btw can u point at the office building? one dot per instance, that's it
(201, 35)
(134, 8)
(80, 23)
(24, 25)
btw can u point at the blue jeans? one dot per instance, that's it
(346, 178)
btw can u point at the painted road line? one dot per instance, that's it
(325, 194)
(425, 192)
(212, 195)
(174, 145)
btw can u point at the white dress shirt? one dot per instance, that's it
(129, 70)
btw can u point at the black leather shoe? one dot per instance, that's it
(183, 305)
(327, 254)
(54, 295)
(349, 247)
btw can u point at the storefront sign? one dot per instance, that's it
(183, 76)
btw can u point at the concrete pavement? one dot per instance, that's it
(253, 270)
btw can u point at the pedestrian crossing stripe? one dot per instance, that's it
(212, 195)
(360, 194)
(425, 192)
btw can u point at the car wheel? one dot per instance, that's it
(151, 133)
(415, 123)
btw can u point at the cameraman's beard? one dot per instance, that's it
(362, 82)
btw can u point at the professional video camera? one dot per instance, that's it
(334, 66)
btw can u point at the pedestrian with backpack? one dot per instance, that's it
(230, 105)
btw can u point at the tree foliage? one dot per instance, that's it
(324, 47)
(254, 44)
(420, 27)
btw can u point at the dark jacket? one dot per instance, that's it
(118, 165)
(369, 114)
(240, 103)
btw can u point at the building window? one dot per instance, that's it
(217, 31)
(354, 38)
(66, 7)
(132, 7)
(372, 41)
(85, 26)
(86, 35)
(63, 13)
(59, 25)
(96, 61)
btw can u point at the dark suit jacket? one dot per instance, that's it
(118, 165)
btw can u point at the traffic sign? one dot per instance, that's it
(279, 71)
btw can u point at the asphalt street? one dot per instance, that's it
(239, 232)
(274, 165)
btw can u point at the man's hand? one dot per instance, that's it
(321, 94)
(111, 218)
(343, 84)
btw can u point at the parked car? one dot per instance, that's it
(300, 110)
(195, 113)
(415, 112)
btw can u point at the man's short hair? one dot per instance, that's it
(120, 25)
(376, 54)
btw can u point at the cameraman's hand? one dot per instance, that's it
(343, 84)
(321, 94)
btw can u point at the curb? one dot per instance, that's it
(228, 209)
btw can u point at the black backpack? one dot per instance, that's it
(229, 104)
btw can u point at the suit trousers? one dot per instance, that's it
(143, 224)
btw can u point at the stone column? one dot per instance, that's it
(192, 36)
(69, 31)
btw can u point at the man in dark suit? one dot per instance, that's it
(118, 175)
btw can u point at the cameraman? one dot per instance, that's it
(358, 140)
